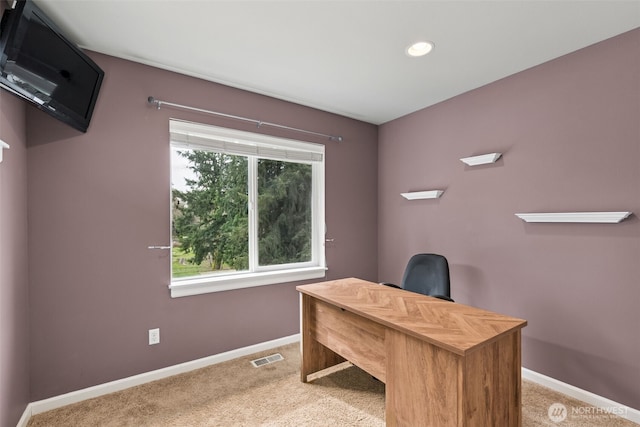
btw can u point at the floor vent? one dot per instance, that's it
(267, 360)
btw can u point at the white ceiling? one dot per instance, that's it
(345, 57)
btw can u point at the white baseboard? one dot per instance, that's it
(621, 410)
(26, 416)
(88, 393)
(40, 406)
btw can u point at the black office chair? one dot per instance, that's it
(426, 274)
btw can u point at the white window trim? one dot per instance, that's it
(197, 136)
(228, 282)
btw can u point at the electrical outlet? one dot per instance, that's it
(154, 336)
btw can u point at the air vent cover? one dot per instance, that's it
(267, 360)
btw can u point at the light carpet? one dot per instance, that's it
(235, 393)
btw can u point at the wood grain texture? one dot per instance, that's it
(444, 364)
(421, 383)
(357, 339)
(316, 356)
(490, 379)
(456, 327)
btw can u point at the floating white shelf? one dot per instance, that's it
(3, 146)
(414, 195)
(481, 159)
(602, 217)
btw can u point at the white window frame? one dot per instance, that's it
(255, 146)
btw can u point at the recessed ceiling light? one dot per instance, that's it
(419, 48)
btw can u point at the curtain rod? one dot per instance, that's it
(158, 104)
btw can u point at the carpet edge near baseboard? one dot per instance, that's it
(582, 395)
(55, 402)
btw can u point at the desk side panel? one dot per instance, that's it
(315, 356)
(422, 386)
(491, 384)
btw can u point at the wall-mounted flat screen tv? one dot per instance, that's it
(38, 63)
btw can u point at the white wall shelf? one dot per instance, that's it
(482, 159)
(415, 195)
(3, 146)
(591, 217)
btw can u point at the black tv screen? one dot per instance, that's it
(38, 63)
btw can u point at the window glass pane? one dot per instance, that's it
(209, 213)
(284, 212)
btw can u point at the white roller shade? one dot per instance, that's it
(197, 136)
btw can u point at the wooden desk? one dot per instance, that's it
(443, 363)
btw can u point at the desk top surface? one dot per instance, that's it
(458, 328)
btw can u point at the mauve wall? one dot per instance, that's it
(570, 133)
(14, 284)
(97, 200)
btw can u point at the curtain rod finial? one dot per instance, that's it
(152, 100)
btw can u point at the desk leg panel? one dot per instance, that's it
(422, 386)
(315, 356)
(490, 381)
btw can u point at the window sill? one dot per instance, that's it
(204, 285)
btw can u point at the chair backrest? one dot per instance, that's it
(427, 274)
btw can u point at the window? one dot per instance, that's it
(247, 209)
